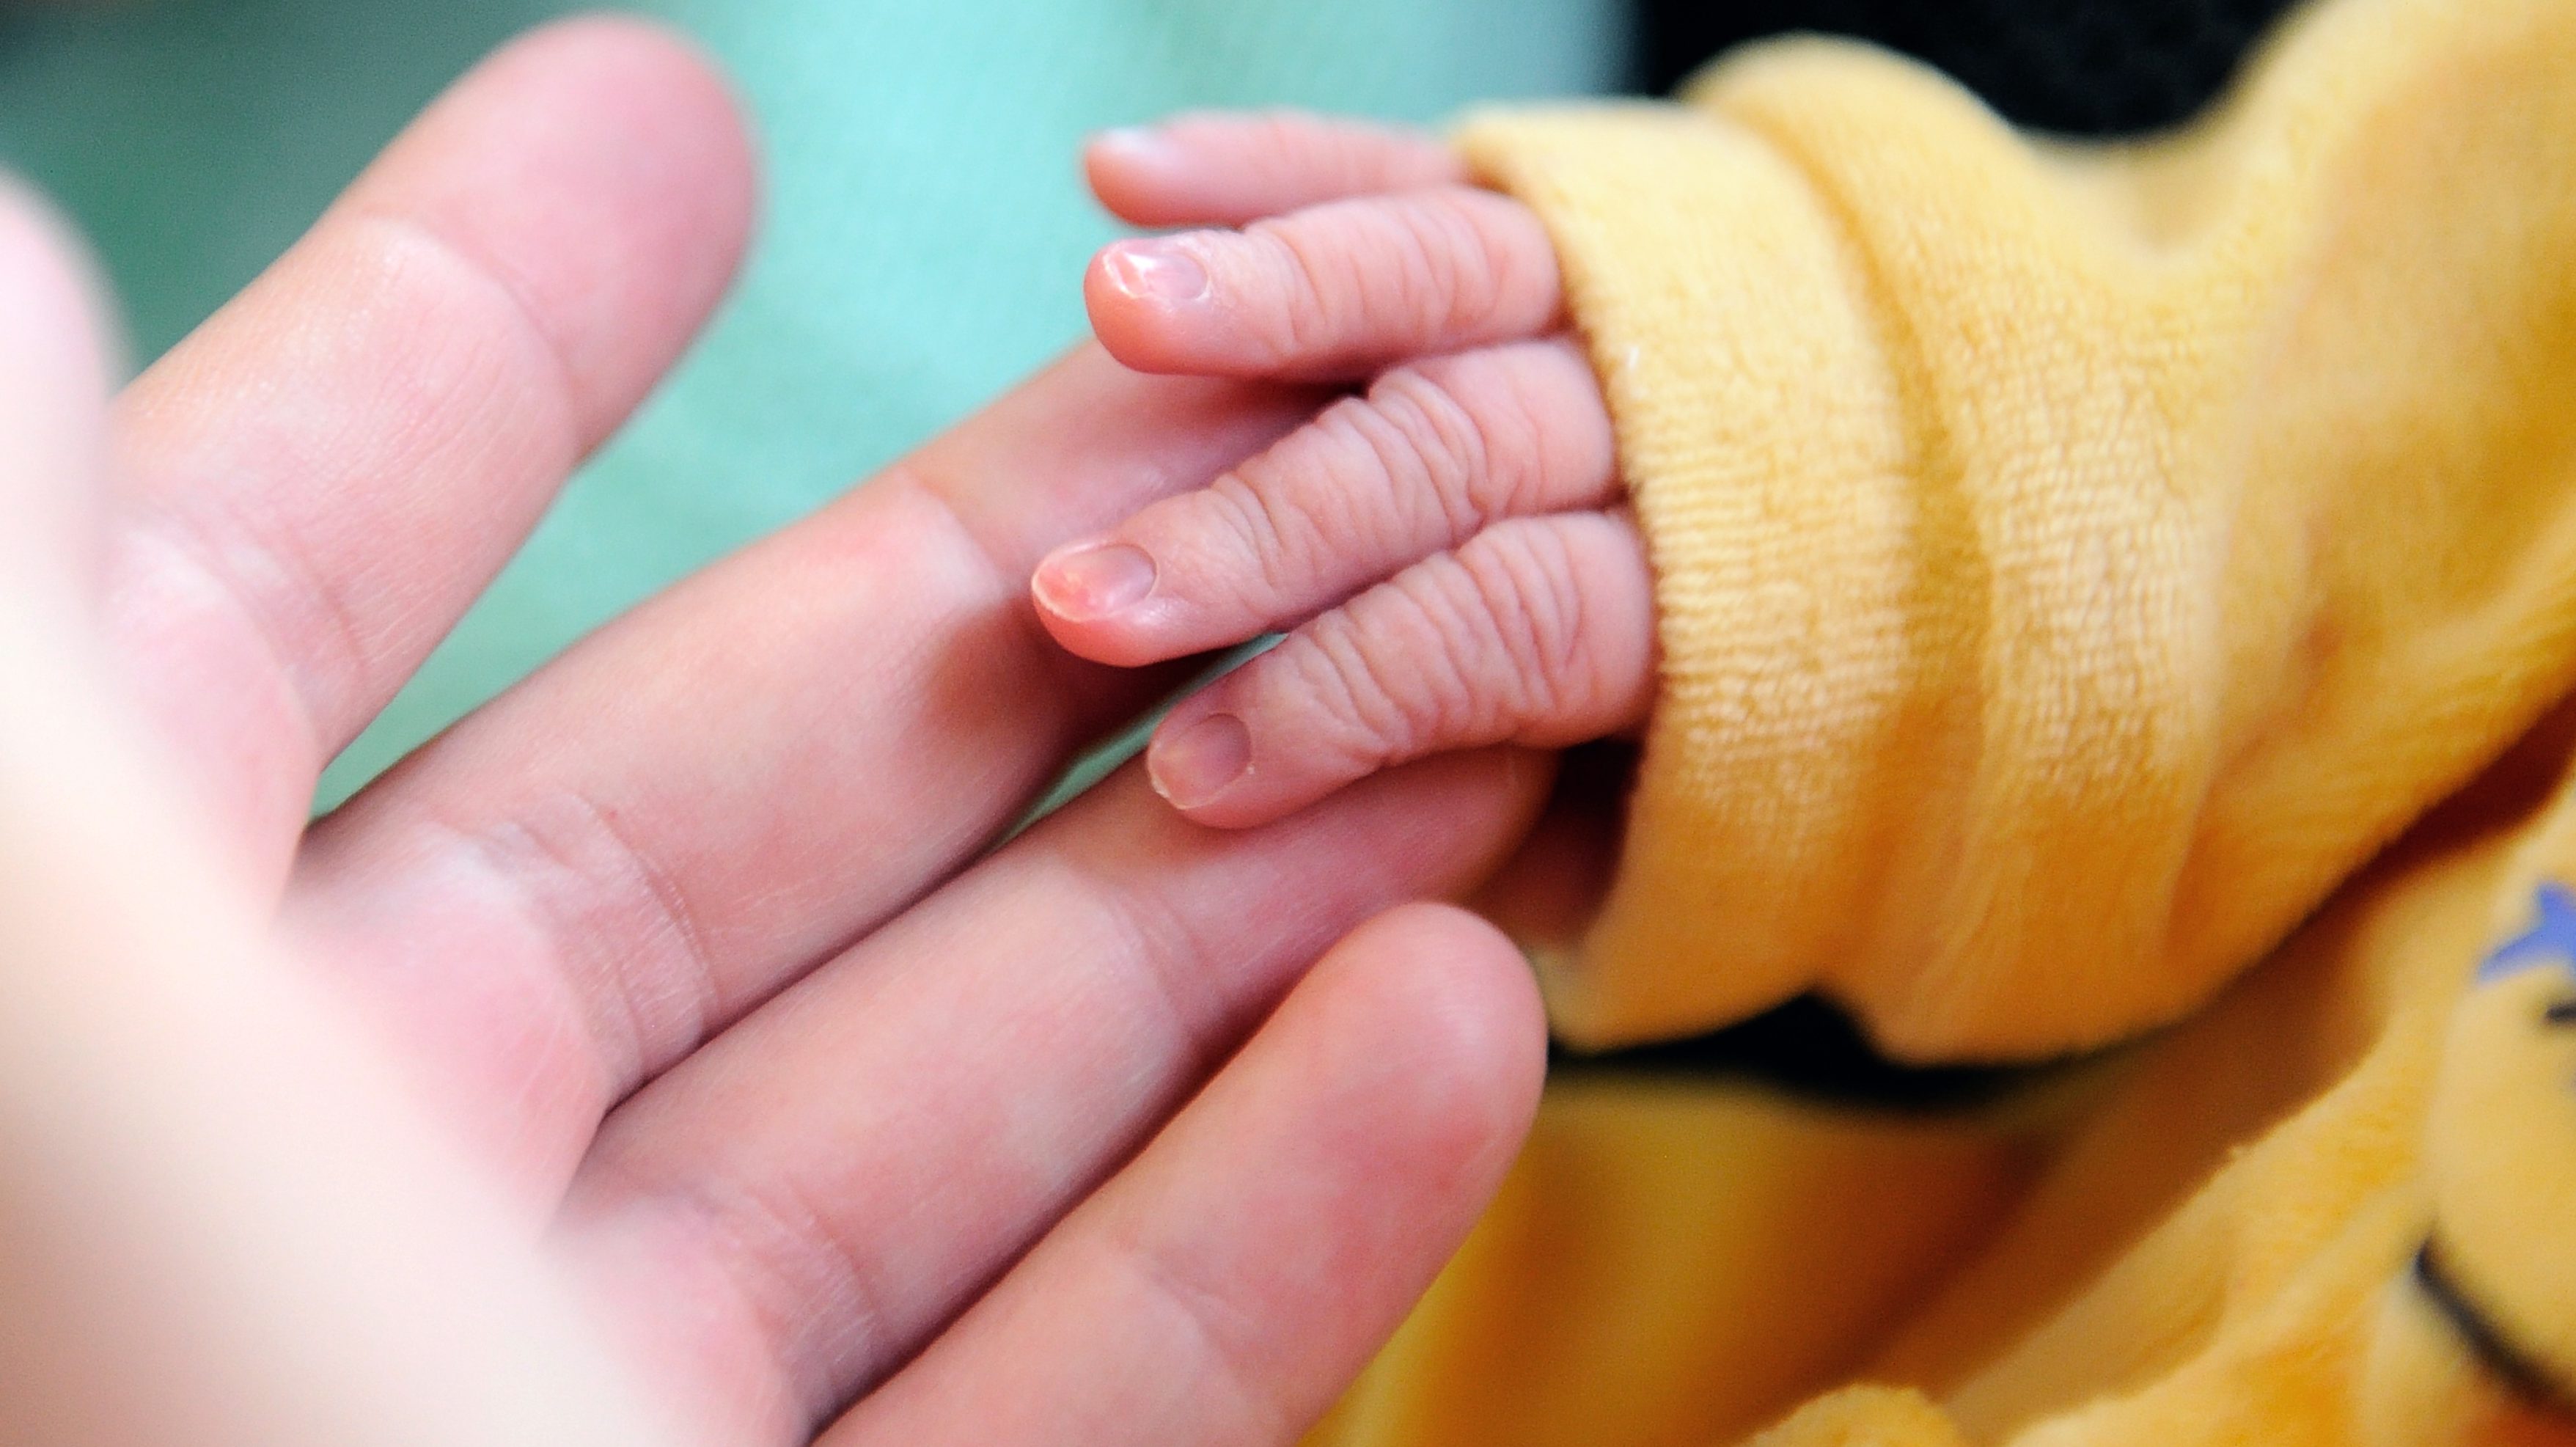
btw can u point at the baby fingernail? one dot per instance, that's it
(1089, 583)
(1136, 143)
(1156, 271)
(1201, 761)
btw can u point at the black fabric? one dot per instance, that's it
(1810, 1049)
(2088, 67)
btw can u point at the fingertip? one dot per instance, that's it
(1440, 1019)
(677, 98)
(1140, 296)
(598, 167)
(1472, 1021)
(1193, 762)
(1251, 748)
(1084, 594)
(1131, 171)
(1089, 582)
(1124, 149)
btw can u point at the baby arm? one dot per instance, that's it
(2069, 565)
(1446, 550)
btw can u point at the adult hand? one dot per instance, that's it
(734, 1093)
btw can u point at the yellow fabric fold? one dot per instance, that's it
(2073, 561)
(2116, 598)
(2207, 1239)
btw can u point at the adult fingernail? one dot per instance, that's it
(1087, 583)
(1201, 761)
(1157, 271)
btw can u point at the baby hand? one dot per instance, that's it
(1448, 548)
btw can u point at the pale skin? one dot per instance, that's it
(659, 1055)
(1446, 550)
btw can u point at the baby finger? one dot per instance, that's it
(1538, 631)
(1434, 453)
(1331, 292)
(1225, 168)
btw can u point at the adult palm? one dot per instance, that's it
(660, 1053)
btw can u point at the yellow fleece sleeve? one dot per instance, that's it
(2072, 560)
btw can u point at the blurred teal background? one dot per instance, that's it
(920, 248)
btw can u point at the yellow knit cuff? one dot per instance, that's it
(1761, 434)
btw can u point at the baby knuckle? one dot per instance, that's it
(1503, 400)
(1366, 719)
(1459, 268)
(1296, 310)
(1436, 655)
(1561, 404)
(1529, 581)
(1516, 248)
(1440, 444)
(1350, 490)
(1454, 658)
(1277, 541)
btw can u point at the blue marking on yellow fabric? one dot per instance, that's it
(2551, 940)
